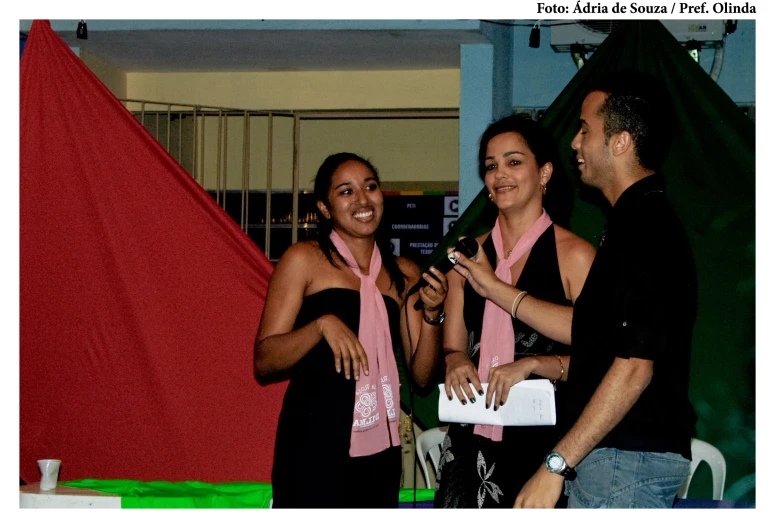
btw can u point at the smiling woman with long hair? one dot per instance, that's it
(509, 317)
(334, 314)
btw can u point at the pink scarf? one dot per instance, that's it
(373, 392)
(496, 346)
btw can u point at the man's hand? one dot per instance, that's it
(541, 491)
(477, 271)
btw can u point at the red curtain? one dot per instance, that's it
(139, 297)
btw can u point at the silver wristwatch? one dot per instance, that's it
(556, 463)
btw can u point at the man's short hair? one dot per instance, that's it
(638, 103)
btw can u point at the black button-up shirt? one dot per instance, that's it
(639, 301)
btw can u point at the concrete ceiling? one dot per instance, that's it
(212, 50)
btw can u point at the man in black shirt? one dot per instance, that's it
(627, 383)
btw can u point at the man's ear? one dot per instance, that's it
(620, 143)
(323, 209)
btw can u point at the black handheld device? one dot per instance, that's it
(467, 246)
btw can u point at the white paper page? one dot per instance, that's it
(530, 402)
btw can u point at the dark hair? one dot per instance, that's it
(558, 200)
(325, 225)
(638, 103)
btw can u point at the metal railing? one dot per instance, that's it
(180, 129)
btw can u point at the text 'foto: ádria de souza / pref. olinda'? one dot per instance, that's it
(681, 8)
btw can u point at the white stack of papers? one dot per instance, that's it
(530, 402)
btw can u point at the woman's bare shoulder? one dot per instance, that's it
(573, 248)
(305, 248)
(302, 255)
(483, 237)
(408, 267)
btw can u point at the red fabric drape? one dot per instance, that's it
(139, 297)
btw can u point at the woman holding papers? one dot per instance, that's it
(334, 313)
(509, 312)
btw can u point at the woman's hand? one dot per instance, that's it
(345, 345)
(477, 271)
(502, 378)
(435, 292)
(461, 371)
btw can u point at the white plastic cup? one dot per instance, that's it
(49, 473)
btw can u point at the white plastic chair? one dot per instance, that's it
(429, 444)
(703, 451)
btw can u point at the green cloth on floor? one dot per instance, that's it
(188, 494)
(194, 494)
(407, 495)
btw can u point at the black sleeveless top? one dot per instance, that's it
(540, 278)
(476, 471)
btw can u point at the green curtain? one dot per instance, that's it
(710, 175)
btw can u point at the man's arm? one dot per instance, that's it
(618, 391)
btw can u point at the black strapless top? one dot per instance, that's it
(318, 403)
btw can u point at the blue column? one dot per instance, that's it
(502, 38)
(476, 107)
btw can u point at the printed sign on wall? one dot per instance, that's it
(417, 222)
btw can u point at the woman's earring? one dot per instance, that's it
(490, 197)
(543, 188)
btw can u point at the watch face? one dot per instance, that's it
(555, 463)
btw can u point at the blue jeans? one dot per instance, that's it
(613, 478)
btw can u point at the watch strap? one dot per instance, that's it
(434, 322)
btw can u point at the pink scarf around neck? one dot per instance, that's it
(375, 418)
(496, 346)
